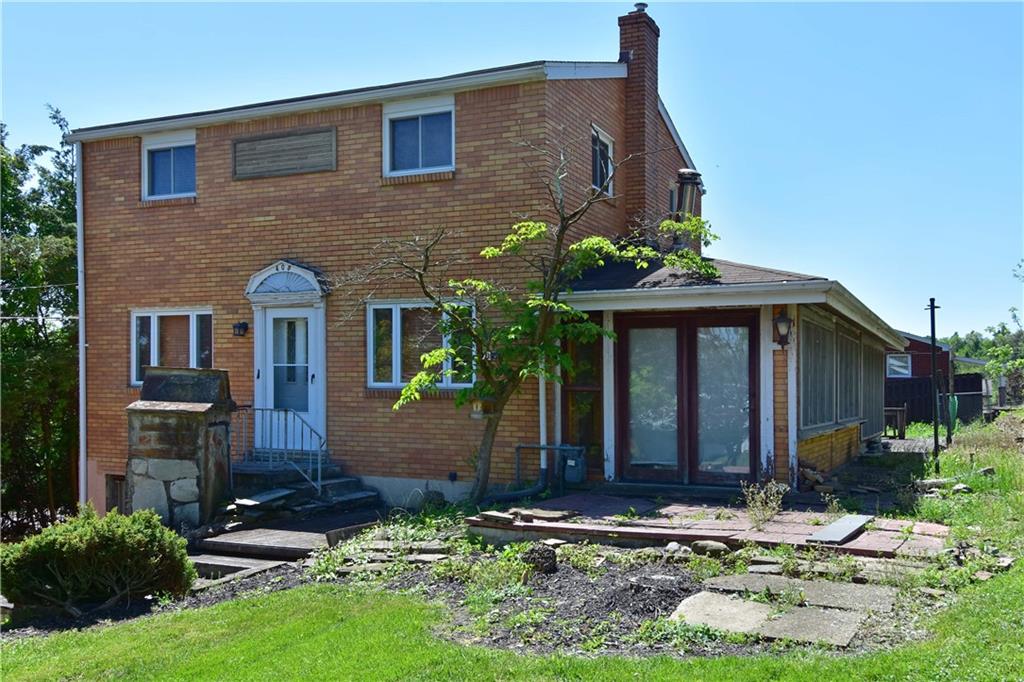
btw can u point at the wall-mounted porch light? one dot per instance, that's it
(481, 407)
(240, 328)
(783, 326)
(688, 183)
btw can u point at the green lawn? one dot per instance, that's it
(327, 631)
(332, 632)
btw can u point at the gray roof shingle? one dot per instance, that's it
(620, 276)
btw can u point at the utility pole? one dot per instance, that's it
(935, 388)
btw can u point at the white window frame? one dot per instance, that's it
(910, 366)
(610, 141)
(408, 109)
(151, 143)
(396, 308)
(154, 331)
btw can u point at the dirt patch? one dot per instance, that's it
(610, 609)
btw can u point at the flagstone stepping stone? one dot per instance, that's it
(838, 532)
(811, 624)
(849, 596)
(722, 612)
(765, 569)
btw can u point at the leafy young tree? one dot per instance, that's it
(508, 332)
(39, 334)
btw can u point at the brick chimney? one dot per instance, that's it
(638, 45)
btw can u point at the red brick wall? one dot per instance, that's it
(201, 252)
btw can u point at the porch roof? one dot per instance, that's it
(622, 286)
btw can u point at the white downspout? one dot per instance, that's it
(83, 493)
(543, 407)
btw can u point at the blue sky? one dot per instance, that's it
(877, 144)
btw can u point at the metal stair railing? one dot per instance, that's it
(281, 437)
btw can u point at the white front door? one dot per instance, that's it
(291, 377)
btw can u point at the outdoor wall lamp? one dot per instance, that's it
(240, 328)
(481, 408)
(783, 326)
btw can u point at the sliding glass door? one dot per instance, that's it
(723, 405)
(686, 397)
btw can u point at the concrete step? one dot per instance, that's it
(359, 499)
(333, 487)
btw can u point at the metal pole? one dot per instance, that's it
(935, 388)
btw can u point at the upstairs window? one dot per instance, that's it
(170, 338)
(419, 137)
(399, 333)
(897, 365)
(602, 147)
(169, 165)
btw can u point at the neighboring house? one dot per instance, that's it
(210, 239)
(908, 376)
(915, 360)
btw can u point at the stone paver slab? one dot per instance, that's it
(875, 543)
(812, 624)
(892, 524)
(922, 545)
(849, 596)
(936, 529)
(722, 612)
(841, 530)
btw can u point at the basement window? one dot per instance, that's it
(419, 137)
(169, 165)
(170, 338)
(398, 334)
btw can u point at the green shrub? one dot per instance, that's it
(91, 560)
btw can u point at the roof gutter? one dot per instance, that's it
(83, 493)
(820, 291)
(537, 71)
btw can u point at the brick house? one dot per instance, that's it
(210, 239)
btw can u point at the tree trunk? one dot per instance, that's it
(483, 456)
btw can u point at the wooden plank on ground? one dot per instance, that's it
(838, 532)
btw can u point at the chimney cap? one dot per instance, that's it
(641, 7)
(688, 175)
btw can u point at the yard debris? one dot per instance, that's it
(982, 575)
(961, 488)
(925, 485)
(542, 557)
(812, 476)
(553, 542)
(497, 517)
(824, 489)
(987, 471)
(710, 547)
(770, 569)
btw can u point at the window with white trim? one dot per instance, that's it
(602, 149)
(169, 165)
(170, 338)
(398, 334)
(419, 137)
(897, 366)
